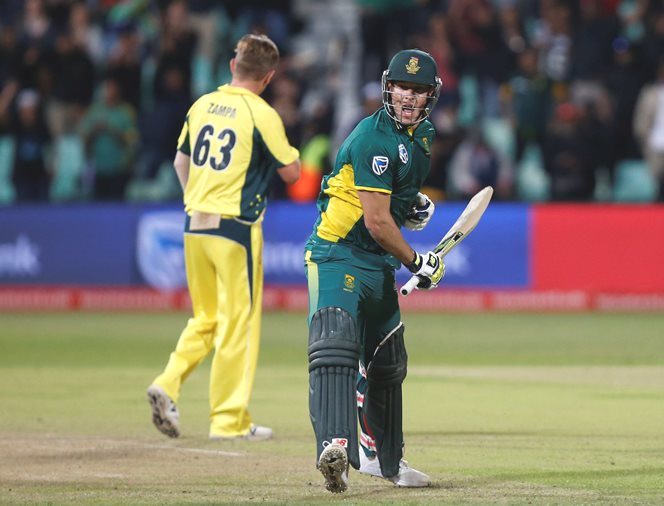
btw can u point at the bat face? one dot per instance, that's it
(463, 226)
(469, 218)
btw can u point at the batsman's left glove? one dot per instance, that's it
(420, 214)
(428, 268)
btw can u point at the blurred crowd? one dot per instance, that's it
(559, 100)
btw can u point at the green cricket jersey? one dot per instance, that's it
(376, 156)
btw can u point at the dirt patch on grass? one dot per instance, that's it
(103, 470)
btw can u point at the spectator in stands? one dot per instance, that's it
(160, 127)
(476, 33)
(8, 74)
(177, 45)
(36, 39)
(597, 120)
(649, 126)
(314, 153)
(124, 64)
(449, 135)
(371, 96)
(438, 45)
(37, 29)
(203, 21)
(73, 85)
(567, 156)
(32, 139)
(86, 34)
(285, 98)
(593, 35)
(10, 11)
(653, 44)
(624, 82)
(476, 164)
(109, 134)
(528, 102)
(385, 28)
(554, 40)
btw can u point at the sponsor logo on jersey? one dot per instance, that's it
(379, 164)
(412, 67)
(403, 154)
(425, 141)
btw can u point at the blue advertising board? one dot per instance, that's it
(61, 245)
(119, 245)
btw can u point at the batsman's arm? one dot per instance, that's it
(381, 225)
(181, 164)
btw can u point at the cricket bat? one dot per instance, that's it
(463, 226)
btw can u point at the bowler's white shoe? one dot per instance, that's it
(407, 476)
(256, 433)
(165, 415)
(333, 465)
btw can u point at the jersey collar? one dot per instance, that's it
(235, 90)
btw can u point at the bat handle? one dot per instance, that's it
(410, 285)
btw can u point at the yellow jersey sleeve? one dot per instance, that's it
(271, 128)
(184, 144)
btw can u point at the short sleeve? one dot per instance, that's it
(183, 141)
(273, 133)
(372, 165)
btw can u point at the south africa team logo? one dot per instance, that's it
(412, 67)
(379, 164)
(349, 282)
(403, 154)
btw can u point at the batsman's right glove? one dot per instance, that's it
(428, 268)
(420, 214)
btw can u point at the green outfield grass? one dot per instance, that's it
(499, 408)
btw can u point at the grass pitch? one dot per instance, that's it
(499, 408)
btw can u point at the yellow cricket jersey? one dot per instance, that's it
(236, 141)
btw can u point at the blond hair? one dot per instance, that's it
(255, 56)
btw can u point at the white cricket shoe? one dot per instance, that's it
(256, 433)
(165, 415)
(407, 476)
(333, 465)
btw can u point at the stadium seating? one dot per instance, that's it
(532, 182)
(164, 187)
(500, 136)
(202, 75)
(634, 182)
(470, 97)
(7, 193)
(69, 161)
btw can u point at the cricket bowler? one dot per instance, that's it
(231, 145)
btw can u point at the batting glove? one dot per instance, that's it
(428, 268)
(420, 214)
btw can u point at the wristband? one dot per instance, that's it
(416, 264)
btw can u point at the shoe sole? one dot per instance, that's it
(332, 465)
(159, 406)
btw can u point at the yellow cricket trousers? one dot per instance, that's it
(225, 277)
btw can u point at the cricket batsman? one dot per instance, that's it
(231, 145)
(357, 356)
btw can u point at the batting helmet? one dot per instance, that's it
(412, 66)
